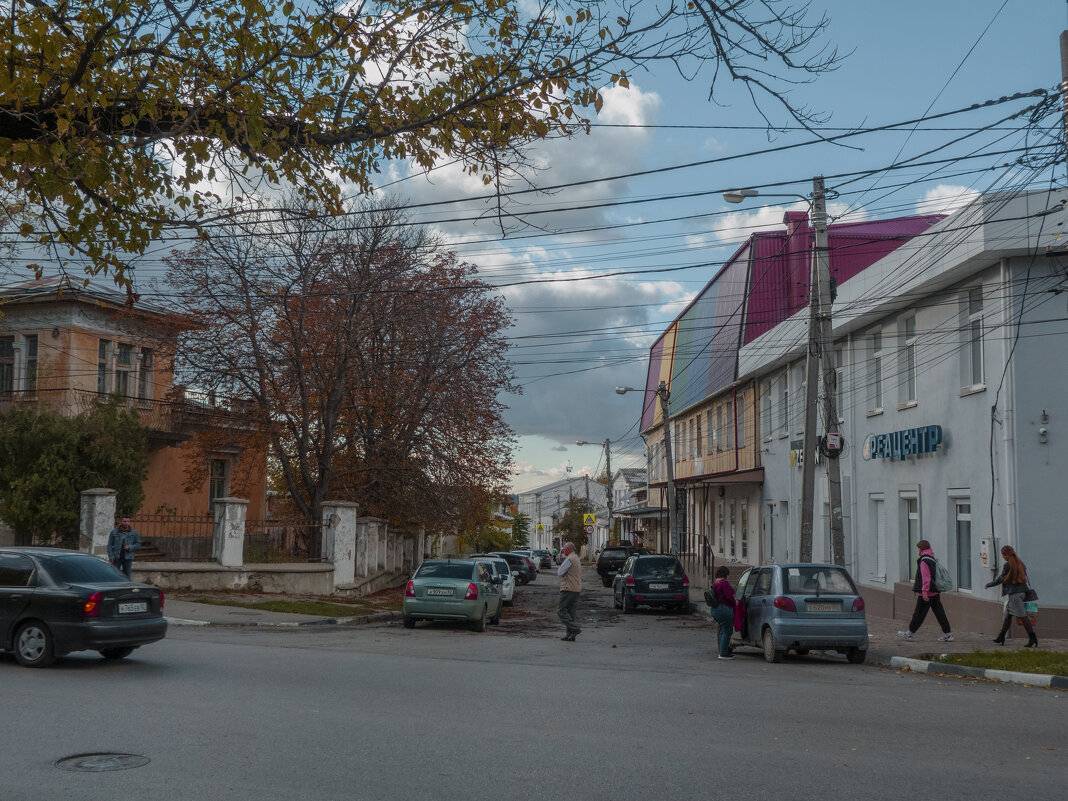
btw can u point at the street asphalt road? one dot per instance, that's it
(638, 708)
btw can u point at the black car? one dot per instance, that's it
(54, 601)
(545, 558)
(655, 580)
(521, 566)
(613, 557)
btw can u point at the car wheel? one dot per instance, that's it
(480, 624)
(33, 645)
(509, 602)
(615, 599)
(772, 652)
(606, 582)
(856, 656)
(409, 622)
(628, 604)
(116, 653)
(496, 620)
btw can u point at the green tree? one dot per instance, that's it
(572, 525)
(46, 461)
(117, 117)
(520, 531)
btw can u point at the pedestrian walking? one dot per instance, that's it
(123, 542)
(1014, 587)
(570, 573)
(929, 598)
(723, 612)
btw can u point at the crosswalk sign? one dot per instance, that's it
(588, 519)
(541, 528)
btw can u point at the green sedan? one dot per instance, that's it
(453, 589)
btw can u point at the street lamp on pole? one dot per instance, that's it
(664, 394)
(819, 349)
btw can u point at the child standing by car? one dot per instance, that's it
(723, 612)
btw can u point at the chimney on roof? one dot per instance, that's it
(796, 222)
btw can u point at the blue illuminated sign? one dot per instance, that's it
(899, 444)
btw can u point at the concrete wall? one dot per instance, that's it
(311, 579)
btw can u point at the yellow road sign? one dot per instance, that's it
(588, 520)
(541, 528)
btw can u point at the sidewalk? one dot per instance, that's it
(190, 613)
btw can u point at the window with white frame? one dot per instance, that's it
(218, 480)
(910, 519)
(784, 404)
(728, 425)
(908, 360)
(691, 440)
(103, 354)
(677, 455)
(741, 423)
(962, 529)
(972, 336)
(875, 372)
(710, 430)
(878, 526)
(719, 428)
(745, 529)
(29, 373)
(722, 530)
(765, 410)
(124, 364)
(144, 374)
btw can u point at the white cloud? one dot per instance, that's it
(945, 199)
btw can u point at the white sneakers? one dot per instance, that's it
(905, 635)
(946, 638)
(727, 657)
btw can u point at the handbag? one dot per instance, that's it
(1030, 595)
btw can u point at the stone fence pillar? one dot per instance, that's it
(97, 520)
(228, 538)
(339, 540)
(367, 545)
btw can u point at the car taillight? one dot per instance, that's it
(472, 592)
(685, 581)
(782, 602)
(630, 581)
(409, 591)
(161, 600)
(858, 604)
(91, 607)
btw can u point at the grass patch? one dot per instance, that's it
(1053, 663)
(319, 608)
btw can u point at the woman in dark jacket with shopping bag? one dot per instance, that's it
(1013, 581)
(723, 612)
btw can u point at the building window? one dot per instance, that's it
(801, 397)
(7, 365)
(728, 430)
(745, 529)
(910, 511)
(963, 529)
(697, 439)
(217, 481)
(719, 428)
(909, 360)
(878, 521)
(123, 367)
(103, 350)
(734, 531)
(31, 363)
(678, 443)
(691, 441)
(972, 352)
(875, 373)
(144, 374)
(741, 423)
(710, 430)
(765, 411)
(784, 405)
(722, 530)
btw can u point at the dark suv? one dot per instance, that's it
(612, 559)
(521, 566)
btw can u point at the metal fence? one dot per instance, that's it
(292, 540)
(175, 538)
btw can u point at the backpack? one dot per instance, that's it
(711, 599)
(941, 581)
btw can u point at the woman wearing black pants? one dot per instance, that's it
(1013, 581)
(929, 598)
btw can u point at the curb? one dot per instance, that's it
(1010, 676)
(356, 620)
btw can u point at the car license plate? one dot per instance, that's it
(438, 591)
(658, 586)
(823, 606)
(133, 606)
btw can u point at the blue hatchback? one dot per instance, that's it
(802, 607)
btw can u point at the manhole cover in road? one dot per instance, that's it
(95, 763)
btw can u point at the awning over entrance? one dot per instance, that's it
(755, 476)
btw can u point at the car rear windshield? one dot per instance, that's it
(818, 579)
(615, 553)
(657, 566)
(449, 570)
(78, 569)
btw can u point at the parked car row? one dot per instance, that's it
(54, 601)
(467, 590)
